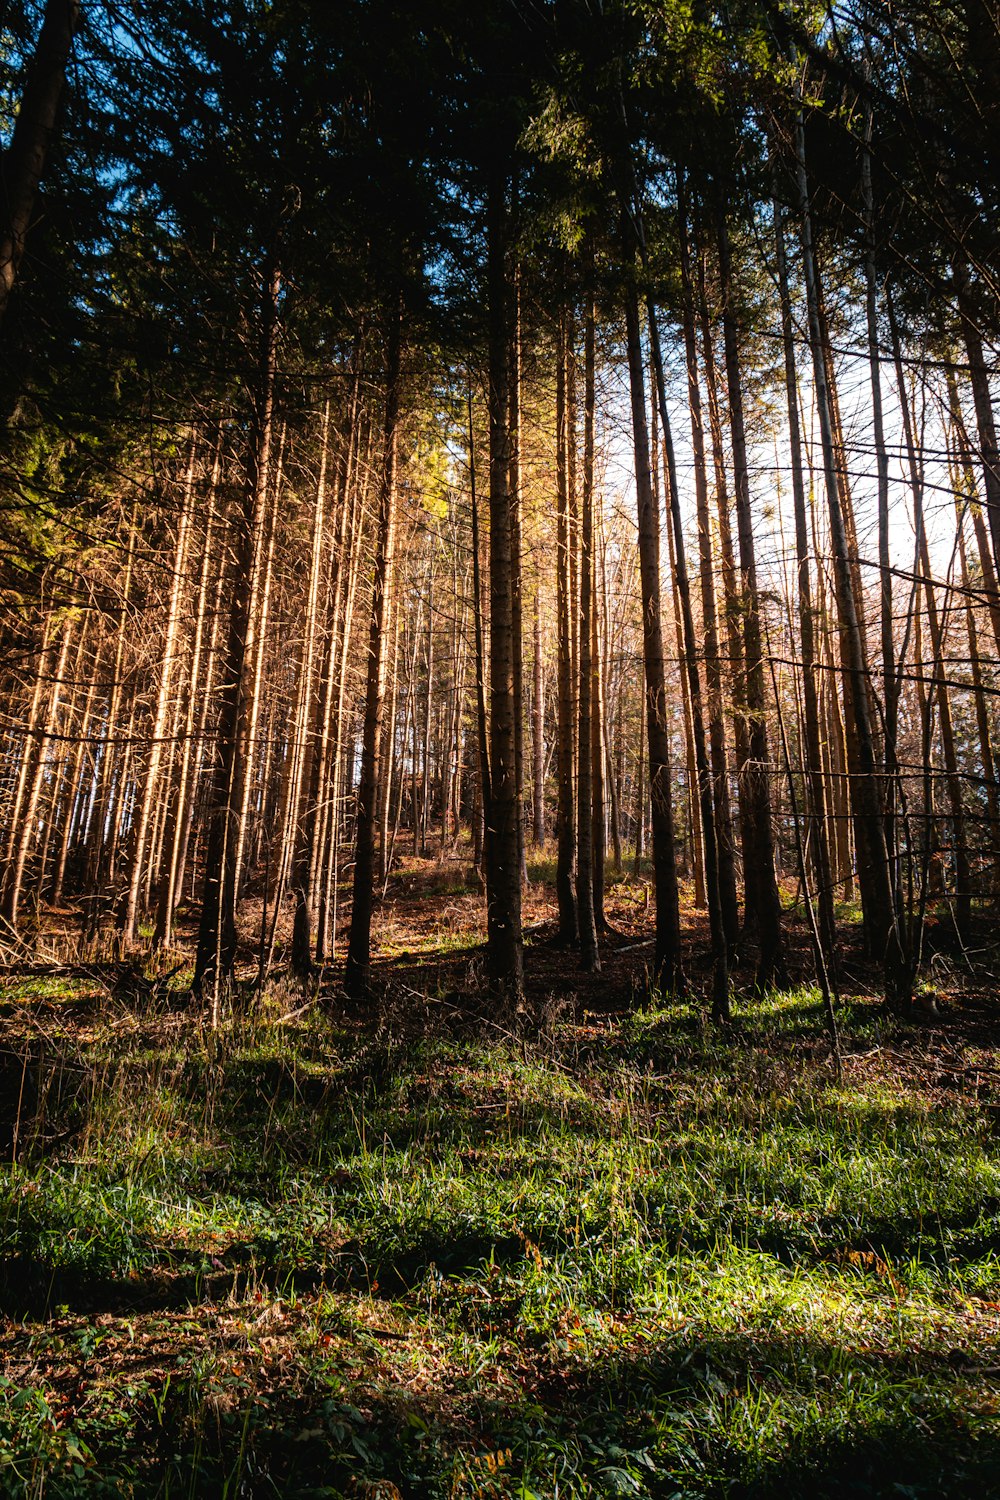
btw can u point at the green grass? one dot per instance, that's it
(637, 1259)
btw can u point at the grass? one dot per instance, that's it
(633, 1258)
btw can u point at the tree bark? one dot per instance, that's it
(312, 722)
(816, 806)
(23, 163)
(585, 778)
(713, 669)
(217, 936)
(730, 593)
(503, 864)
(667, 972)
(37, 741)
(482, 720)
(687, 644)
(515, 552)
(151, 787)
(538, 728)
(357, 971)
(883, 917)
(756, 773)
(989, 453)
(566, 852)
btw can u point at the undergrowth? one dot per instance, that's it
(304, 1256)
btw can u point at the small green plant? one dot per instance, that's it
(641, 1259)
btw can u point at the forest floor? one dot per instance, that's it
(595, 1247)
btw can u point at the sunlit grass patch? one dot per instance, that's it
(646, 1259)
(47, 987)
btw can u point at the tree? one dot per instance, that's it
(23, 163)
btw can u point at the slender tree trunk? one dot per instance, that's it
(248, 761)
(963, 873)
(819, 950)
(36, 748)
(426, 781)
(538, 729)
(816, 841)
(757, 778)
(151, 788)
(207, 706)
(357, 971)
(726, 853)
(515, 552)
(482, 722)
(75, 780)
(26, 759)
(890, 687)
(963, 451)
(566, 810)
(110, 758)
(173, 841)
(387, 750)
(698, 760)
(599, 835)
(52, 795)
(313, 718)
(667, 970)
(695, 828)
(217, 936)
(987, 755)
(693, 835)
(585, 778)
(883, 919)
(731, 593)
(345, 563)
(640, 792)
(52, 799)
(989, 453)
(503, 862)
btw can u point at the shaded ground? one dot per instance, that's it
(594, 1248)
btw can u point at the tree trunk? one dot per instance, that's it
(816, 806)
(313, 717)
(217, 937)
(566, 810)
(151, 788)
(963, 874)
(515, 552)
(249, 765)
(726, 853)
(597, 739)
(346, 562)
(387, 750)
(730, 591)
(503, 864)
(698, 760)
(538, 729)
(989, 454)
(883, 919)
(756, 775)
(482, 722)
(170, 883)
(667, 974)
(37, 741)
(987, 755)
(357, 972)
(585, 778)
(23, 163)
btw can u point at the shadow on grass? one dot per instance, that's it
(725, 1418)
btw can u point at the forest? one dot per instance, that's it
(499, 749)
